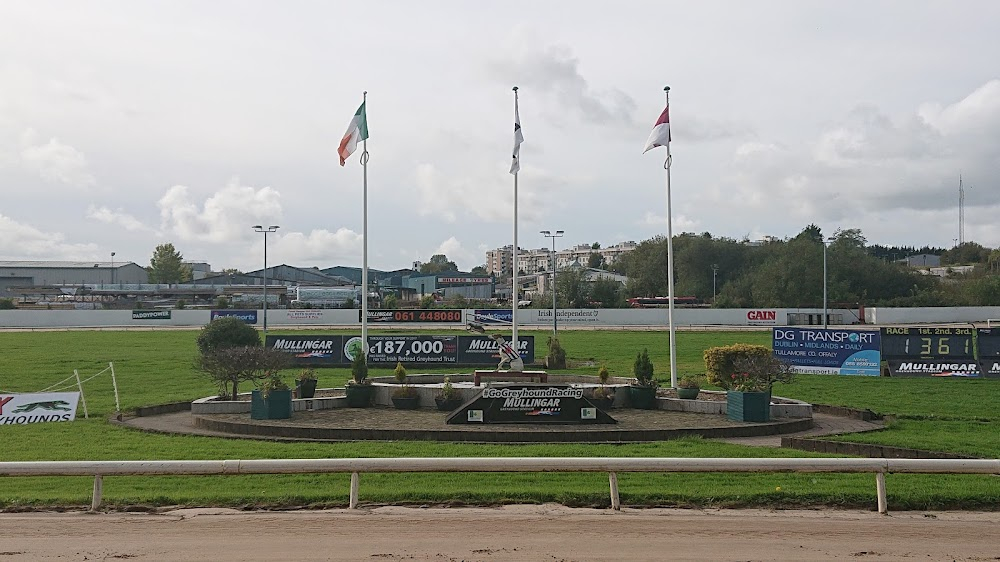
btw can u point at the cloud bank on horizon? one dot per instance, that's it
(188, 123)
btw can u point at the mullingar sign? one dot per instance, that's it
(530, 403)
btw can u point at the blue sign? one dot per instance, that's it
(248, 316)
(818, 350)
(493, 316)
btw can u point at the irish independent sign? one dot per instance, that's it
(530, 403)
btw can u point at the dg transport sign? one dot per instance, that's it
(820, 350)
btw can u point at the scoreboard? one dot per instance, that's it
(927, 343)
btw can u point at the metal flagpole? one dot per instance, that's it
(670, 265)
(364, 251)
(513, 292)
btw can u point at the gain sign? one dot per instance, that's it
(412, 349)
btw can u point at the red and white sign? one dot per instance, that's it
(762, 317)
(463, 280)
(20, 409)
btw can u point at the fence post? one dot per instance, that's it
(83, 398)
(354, 491)
(883, 507)
(616, 503)
(95, 501)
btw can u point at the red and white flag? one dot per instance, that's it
(661, 131)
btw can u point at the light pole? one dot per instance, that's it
(259, 228)
(825, 315)
(715, 271)
(553, 236)
(112, 268)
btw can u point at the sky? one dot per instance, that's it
(128, 124)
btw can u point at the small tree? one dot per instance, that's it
(359, 369)
(643, 370)
(230, 366)
(227, 331)
(167, 266)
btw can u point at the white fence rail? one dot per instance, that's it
(100, 469)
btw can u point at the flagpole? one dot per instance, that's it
(670, 265)
(364, 251)
(513, 292)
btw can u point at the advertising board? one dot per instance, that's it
(248, 316)
(387, 349)
(821, 350)
(150, 315)
(39, 407)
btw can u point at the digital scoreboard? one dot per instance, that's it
(927, 343)
(932, 351)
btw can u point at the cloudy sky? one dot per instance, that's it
(125, 124)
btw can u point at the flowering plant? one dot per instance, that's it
(758, 373)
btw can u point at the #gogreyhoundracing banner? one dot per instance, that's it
(20, 409)
(389, 349)
(819, 350)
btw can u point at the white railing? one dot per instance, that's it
(100, 469)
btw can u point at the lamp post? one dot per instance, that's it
(825, 315)
(715, 271)
(259, 228)
(553, 236)
(112, 268)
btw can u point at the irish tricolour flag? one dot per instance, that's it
(661, 131)
(356, 131)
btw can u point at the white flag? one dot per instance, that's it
(515, 165)
(660, 136)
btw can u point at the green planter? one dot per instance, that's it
(748, 406)
(359, 396)
(604, 403)
(406, 402)
(688, 393)
(642, 397)
(306, 388)
(277, 406)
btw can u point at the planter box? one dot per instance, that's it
(406, 402)
(359, 396)
(305, 389)
(603, 403)
(447, 405)
(748, 406)
(688, 393)
(642, 397)
(277, 406)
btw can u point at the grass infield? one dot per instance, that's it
(157, 367)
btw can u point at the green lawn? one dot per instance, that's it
(156, 367)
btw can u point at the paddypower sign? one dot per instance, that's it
(843, 352)
(22, 409)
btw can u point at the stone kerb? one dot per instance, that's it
(786, 408)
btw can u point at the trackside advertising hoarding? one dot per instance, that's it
(21, 409)
(248, 316)
(409, 350)
(843, 352)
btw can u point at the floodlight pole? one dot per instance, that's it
(558, 234)
(265, 231)
(715, 271)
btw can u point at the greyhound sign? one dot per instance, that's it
(20, 409)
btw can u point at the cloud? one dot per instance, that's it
(226, 216)
(458, 254)
(555, 70)
(55, 162)
(486, 196)
(871, 165)
(120, 218)
(320, 248)
(21, 241)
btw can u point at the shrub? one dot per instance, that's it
(227, 332)
(448, 391)
(222, 302)
(229, 366)
(689, 381)
(359, 369)
(271, 383)
(556, 359)
(307, 374)
(603, 375)
(643, 370)
(721, 363)
(400, 373)
(7, 304)
(181, 304)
